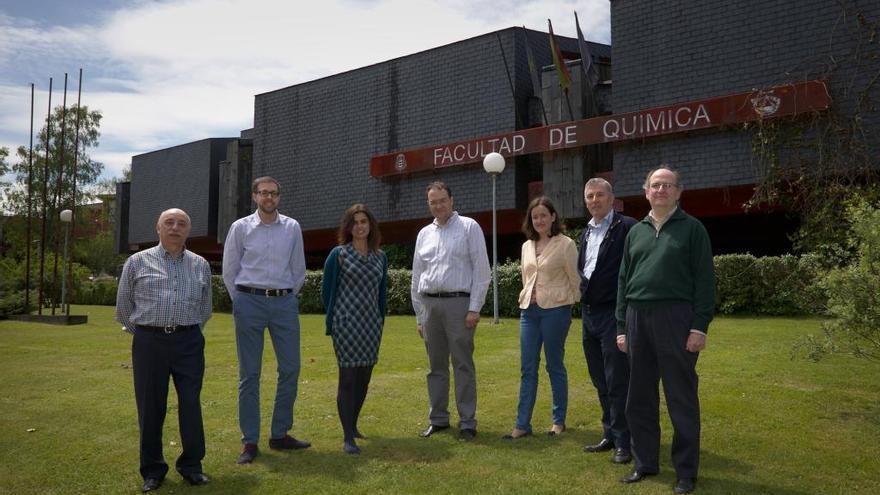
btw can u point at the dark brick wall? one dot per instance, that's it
(183, 176)
(672, 51)
(317, 138)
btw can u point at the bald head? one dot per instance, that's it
(173, 228)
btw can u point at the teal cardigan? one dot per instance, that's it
(331, 282)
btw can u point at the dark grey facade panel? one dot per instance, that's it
(183, 176)
(667, 52)
(317, 138)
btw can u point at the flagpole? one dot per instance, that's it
(56, 203)
(45, 200)
(509, 81)
(73, 175)
(533, 72)
(30, 202)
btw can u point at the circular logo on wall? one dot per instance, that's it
(766, 105)
(400, 162)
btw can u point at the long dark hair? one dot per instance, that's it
(529, 229)
(343, 236)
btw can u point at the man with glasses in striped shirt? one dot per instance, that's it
(164, 299)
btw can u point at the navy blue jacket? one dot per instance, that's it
(601, 289)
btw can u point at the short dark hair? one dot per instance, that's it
(343, 236)
(262, 180)
(440, 186)
(663, 166)
(529, 229)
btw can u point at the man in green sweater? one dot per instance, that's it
(665, 301)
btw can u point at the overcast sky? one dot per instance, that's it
(169, 72)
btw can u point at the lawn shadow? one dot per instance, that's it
(322, 462)
(719, 464)
(721, 485)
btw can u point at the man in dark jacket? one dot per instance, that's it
(599, 264)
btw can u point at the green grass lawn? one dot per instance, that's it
(770, 425)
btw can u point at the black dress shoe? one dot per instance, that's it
(151, 484)
(603, 446)
(636, 476)
(287, 442)
(685, 485)
(467, 434)
(359, 435)
(196, 479)
(349, 447)
(249, 452)
(430, 430)
(621, 456)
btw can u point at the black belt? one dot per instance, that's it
(264, 292)
(591, 308)
(167, 329)
(449, 294)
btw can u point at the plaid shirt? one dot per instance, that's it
(157, 289)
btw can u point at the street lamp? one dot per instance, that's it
(66, 218)
(493, 164)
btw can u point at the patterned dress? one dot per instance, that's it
(357, 324)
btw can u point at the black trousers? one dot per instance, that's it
(350, 395)
(609, 371)
(155, 357)
(656, 340)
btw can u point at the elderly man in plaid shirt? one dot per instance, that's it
(164, 300)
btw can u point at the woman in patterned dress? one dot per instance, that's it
(353, 292)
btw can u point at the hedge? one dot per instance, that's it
(774, 285)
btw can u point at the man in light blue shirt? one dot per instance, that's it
(599, 265)
(263, 270)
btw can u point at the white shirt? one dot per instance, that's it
(594, 241)
(450, 258)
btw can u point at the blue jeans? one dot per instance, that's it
(548, 327)
(253, 314)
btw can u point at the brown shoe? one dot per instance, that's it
(249, 452)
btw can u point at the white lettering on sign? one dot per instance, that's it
(472, 151)
(657, 121)
(563, 136)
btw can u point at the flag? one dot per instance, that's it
(559, 62)
(591, 74)
(533, 68)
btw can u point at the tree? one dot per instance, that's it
(15, 197)
(87, 170)
(853, 294)
(4, 167)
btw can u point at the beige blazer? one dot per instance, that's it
(553, 275)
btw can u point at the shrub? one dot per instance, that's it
(100, 291)
(772, 285)
(853, 294)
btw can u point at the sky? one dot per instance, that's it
(168, 72)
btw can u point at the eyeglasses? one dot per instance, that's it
(661, 186)
(269, 194)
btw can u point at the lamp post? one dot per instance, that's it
(493, 164)
(66, 218)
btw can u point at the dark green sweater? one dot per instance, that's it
(673, 265)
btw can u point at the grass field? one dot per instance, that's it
(770, 425)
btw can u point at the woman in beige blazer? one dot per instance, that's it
(550, 286)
